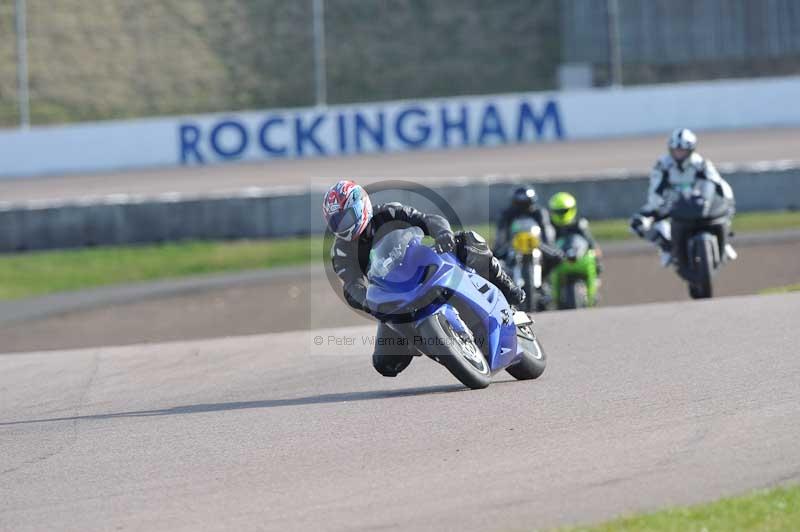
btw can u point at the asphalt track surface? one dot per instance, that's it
(583, 159)
(301, 298)
(640, 407)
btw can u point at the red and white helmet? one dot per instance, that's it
(347, 209)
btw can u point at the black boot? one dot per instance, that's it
(515, 295)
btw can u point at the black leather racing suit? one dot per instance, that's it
(351, 259)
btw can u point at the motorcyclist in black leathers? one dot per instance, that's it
(524, 203)
(356, 225)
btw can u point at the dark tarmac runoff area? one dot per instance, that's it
(301, 298)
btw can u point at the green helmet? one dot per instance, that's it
(563, 208)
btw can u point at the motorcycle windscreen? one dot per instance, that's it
(699, 203)
(388, 254)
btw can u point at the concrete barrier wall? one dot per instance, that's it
(266, 214)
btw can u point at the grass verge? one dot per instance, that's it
(39, 273)
(782, 289)
(764, 511)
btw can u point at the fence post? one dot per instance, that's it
(614, 44)
(22, 65)
(320, 75)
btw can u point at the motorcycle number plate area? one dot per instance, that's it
(477, 282)
(482, 285)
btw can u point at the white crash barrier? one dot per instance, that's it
(398, 126)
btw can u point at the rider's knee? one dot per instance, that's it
(390, 366)
(389, 343)
(391, 354)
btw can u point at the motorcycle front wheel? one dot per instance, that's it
(576, 295)
(534, 359)
(533, 297)
(703, 266)
(460, 355)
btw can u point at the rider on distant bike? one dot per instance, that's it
(356, 225)
(564, 213)
(524, 203)
(681, 168)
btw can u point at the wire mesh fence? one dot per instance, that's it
(125, 58)
(9, 103)
(91, 60)
(679, 40)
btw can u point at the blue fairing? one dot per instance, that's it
(421, 274)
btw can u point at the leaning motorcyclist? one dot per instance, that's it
(356, 225)
(681, 168)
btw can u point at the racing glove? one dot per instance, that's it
(637, 225)
(445, 242)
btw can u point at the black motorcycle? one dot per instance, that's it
(525, 263)
(700, 222)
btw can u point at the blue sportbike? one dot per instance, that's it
(445, 311)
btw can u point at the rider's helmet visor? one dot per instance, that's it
(342, 223)
(680, 154)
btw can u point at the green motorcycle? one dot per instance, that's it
(574, 282)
